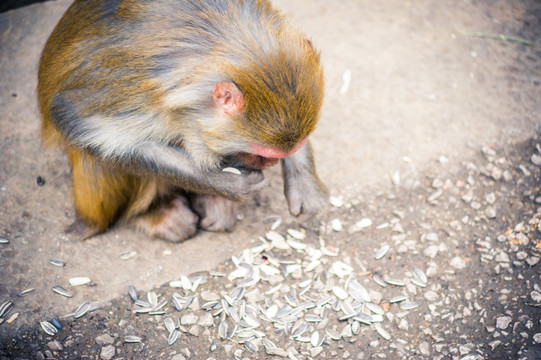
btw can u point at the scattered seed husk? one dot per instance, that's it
(395, 282)
(132, 339)
(297, 245)
(26, 292)
(232, 331)
(81, 310)
(144, 310)
(381, 252)
(142, 303)
(222, 330)
(173, 336)
(94, 306)
(419, 274)
(378, 280)
(340, 292)
(79, 280)
(251, 347)
(382, 332)
(355, 327)
(301, 329)
(418, 282)
(48, 328)
(333, 334)
(61, 291)
(169, 324)
(5, 308)
(376, 309)
(398, 298)
(408, 305)
(4, 240)
(12, 318)
(296, 234)
(132, 292)
(186, 283)
(313, 318)
(314, 339)
(277, 240)
(58, 263)
(364, 318)
(232, 170)
(152, 298)
(56, 323)
(156, 312)
(128, 255)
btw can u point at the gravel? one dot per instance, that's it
(473, 275)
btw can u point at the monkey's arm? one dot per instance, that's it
(136, 143)
(304, 192)
(175, 165)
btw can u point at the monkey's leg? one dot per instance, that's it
(171, 220)
(217, 213)
(104, 195)
(100, 194)
(305, 193)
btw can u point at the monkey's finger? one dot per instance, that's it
(295, 204)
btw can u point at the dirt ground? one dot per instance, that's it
(426, 95)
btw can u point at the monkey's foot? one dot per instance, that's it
(174, 221)
(217, 213)
(82, 230)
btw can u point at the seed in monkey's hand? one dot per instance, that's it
(232, 170)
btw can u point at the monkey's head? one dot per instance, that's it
(271, 103)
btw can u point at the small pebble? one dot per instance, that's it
(107, 352)
(503, 322)
(105, 339)
(458, 263)
(336, 225)
(188, 319)
(490, 212)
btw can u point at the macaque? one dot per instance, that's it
(152, 99)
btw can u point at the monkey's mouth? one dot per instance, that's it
(257, 161)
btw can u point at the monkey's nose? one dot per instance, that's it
(274, 153)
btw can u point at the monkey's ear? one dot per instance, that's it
(229, 97)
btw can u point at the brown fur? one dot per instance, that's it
(126, 87)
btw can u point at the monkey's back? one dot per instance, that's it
(122, 57)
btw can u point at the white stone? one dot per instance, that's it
(536, 296)
(502, 257)
(458, 263)
(503, 322)
(336, 225)
(431, 296)
(188, 319)
(431, 251)
(424, 348)
(107, 352)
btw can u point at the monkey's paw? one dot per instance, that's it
(173, 222)
(217, 213)
(305, 197)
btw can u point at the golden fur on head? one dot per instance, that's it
(283, 90)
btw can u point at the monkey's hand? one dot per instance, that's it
(174, 165)
(235, 187)
(305, 193)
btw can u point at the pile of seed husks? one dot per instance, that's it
(285, 294)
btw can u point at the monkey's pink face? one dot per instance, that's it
(262, 157)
